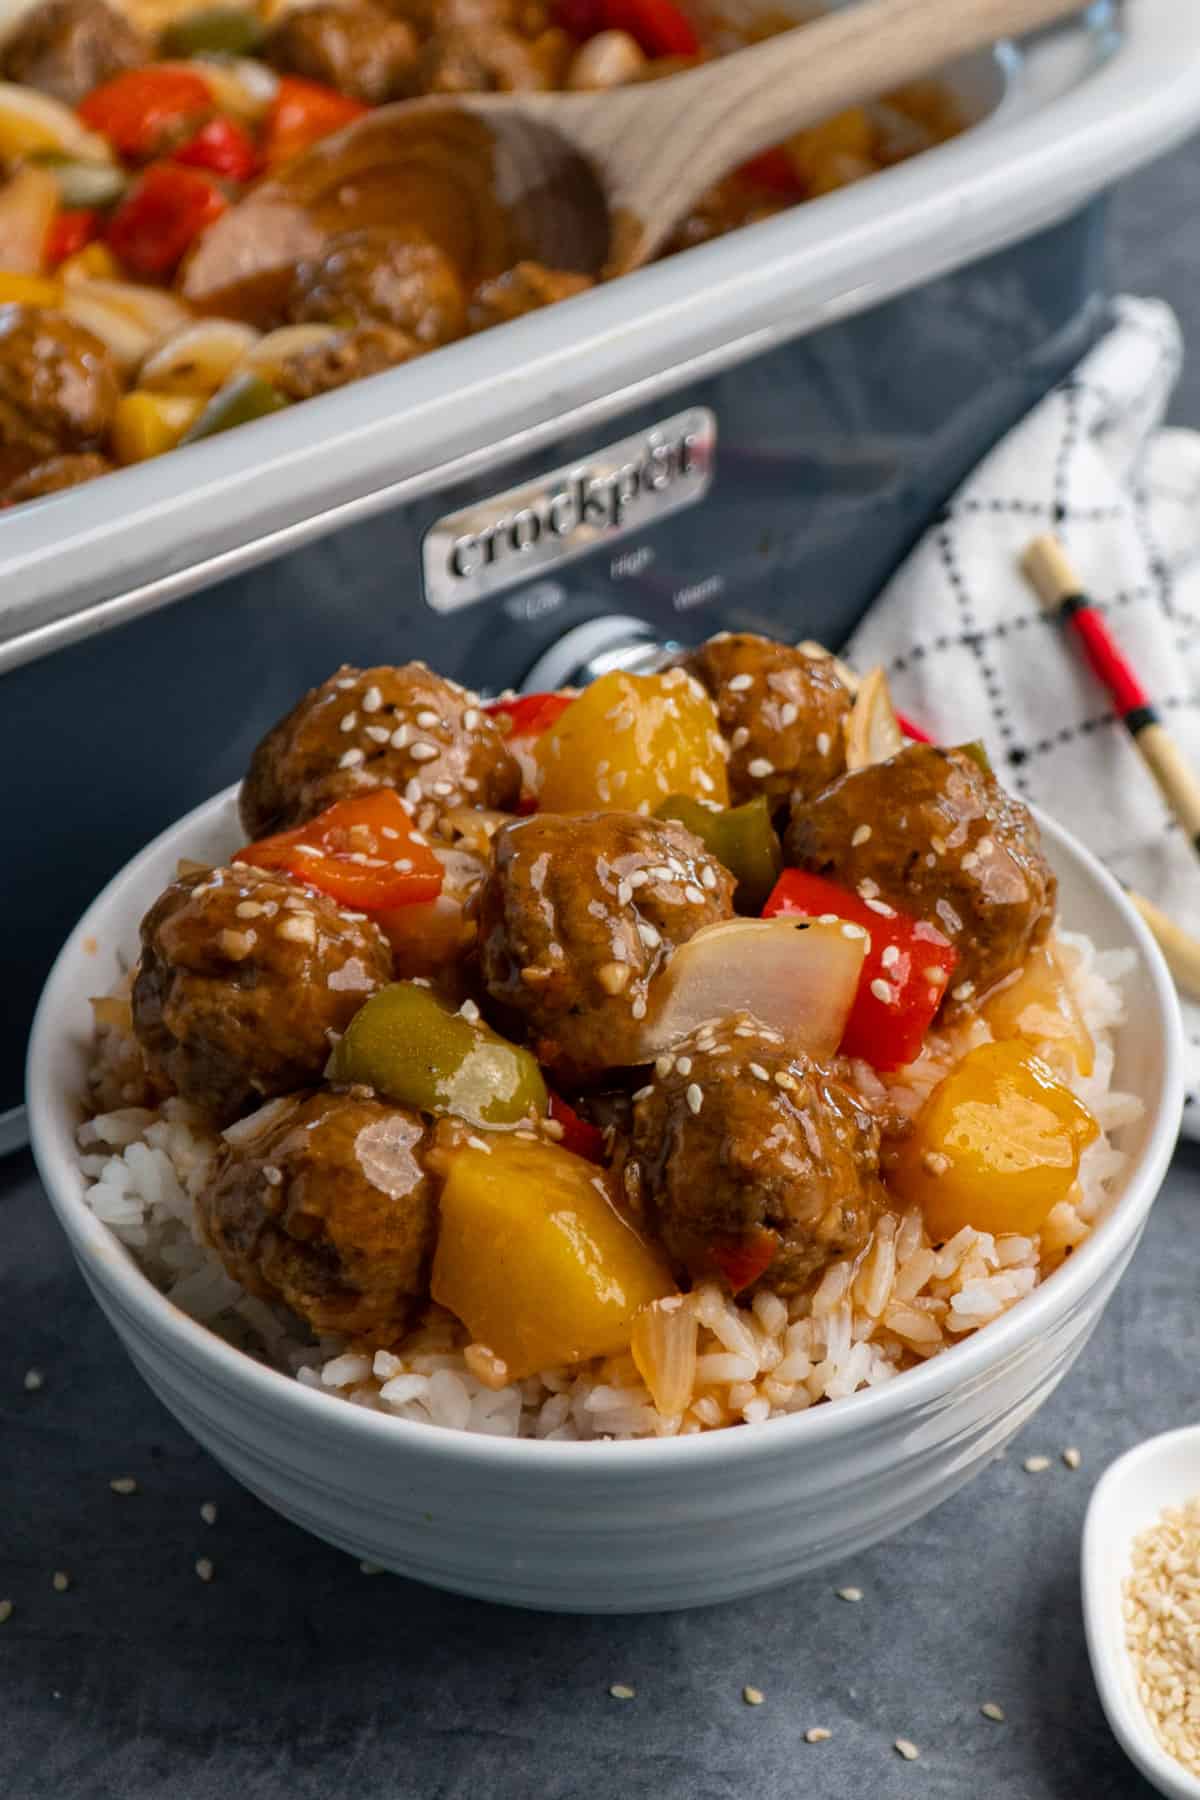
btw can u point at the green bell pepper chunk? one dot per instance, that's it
(247, 398)
(978, 756)
(410, 1047)
(742, 838)
(82, 183)
(216, 31)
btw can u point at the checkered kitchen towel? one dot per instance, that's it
(970, 654)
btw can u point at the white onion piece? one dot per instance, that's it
(157, 312)
(799, 977)
(126, 342)
(198, 359)
(31, 121)
(28, 204)
(245, 1132)
(271, 352)
(872, 730)
(240, 85)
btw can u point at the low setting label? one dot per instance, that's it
(502, 540)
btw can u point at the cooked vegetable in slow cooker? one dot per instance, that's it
(489, 1057)
(123, 139)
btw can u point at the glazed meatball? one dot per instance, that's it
(356, 48)
(53, 475)
(402, 728)
(482, 59)
(331, 1210)
(243, 977)
(736, 1136)
(523, 289)
(68, 47)
(579, 914)
(367, 350)
(382, 277)
(58, 387)
(781, 711)
(932, 832)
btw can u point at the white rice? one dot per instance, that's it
(902, 1302)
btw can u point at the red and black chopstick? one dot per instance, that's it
(1047, 568)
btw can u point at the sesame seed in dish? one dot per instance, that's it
(1162, 1629)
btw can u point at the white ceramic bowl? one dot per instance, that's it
(1164, 1471)
(600, 1527)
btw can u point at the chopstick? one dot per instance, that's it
(1181, 951)
(1048, 570)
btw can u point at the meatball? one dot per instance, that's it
(356, 48)
(243, 977)
(932, 832)
(520, 290)
(58, 387)
(54, 475)
(735, 1136)
(484, 58)
(351, 355)
(67, 47)
(330, 1209)
(579, 913)
(382, 277)
(782, 712)
(402, 728)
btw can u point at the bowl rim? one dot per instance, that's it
(934, 1381)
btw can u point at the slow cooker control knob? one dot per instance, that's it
(595, 648)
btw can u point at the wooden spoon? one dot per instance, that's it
(594, 181)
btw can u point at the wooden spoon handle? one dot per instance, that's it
(659, 146)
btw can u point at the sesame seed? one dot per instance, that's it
(708, 877)
(624, 893)
(34, 1379)
(422, 752)
(621, 1691)
(236, 945)
(249, 909)
(985, 846)
(990, 1710)
(684, 1065)
(737, 684)
(782, 1079)
(123, 1484)
(428, 721)
(788, 713)
(208, 1512)
(1036, 1465)
(612, 976)
(443, 789)
(644, 1093)
(469, 1011)
(348, 721)
(853, 1594)
(649, 934)
(372, 700)
(370, 1568)
(753, 1696)
(60, 1581)
(6, 1611)
(889, 956)
(856, 931)
(694, 896)
(663, 1066)
(1072, 1457)
(204, 1568)
(300, 928)
(938, 844)
(471, 719)
(969, 861)
(740, 738)
(272, 1175)
(638, 1009)
(378, 734)
(694, 1097)
(403, 865)
(553, 1128)
(759, 768)
(881, 907)
(399, 738)
(759, 1073)
(907, 1749)
(964, 990)
(817, 1734)
(883, 991)
(935, 1163)
(860, 835)
(412, 792)
(347, 681)
(351, 758)
(478, 1143)
(824, 743)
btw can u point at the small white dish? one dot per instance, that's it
(1162, 1472)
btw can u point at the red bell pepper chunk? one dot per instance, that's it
(580, 18)
(223, 147)
(528, 715)
(743, 1260)
(905, 972)
(71, 232)
(301, 113)
(362, 852)
(658, 26)
(578, 1135)
(161, 216)
(143, 111)
(772, 169)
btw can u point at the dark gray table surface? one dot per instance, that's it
(292, 1676)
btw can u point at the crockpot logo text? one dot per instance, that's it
(492, 545)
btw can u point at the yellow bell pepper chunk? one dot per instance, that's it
(995, 1146)
(95, 262)
(535, 1259)
(145, 424)
(28, 290)
(1040, 1008)
(628, 742)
